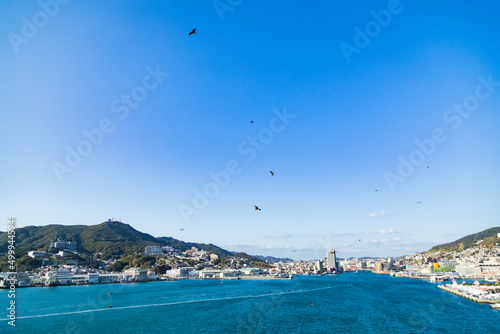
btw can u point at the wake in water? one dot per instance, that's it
(171, 303)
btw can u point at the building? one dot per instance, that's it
(36, 254)
(135, 275)
(153, 250)
(179, 272)
(92, 278)
(65, 245)
(318, 266)
(209, 273)
(331, 261)
(251, 271)
(468, 270)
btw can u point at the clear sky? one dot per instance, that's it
(362, 110)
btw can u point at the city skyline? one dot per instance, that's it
(366, 128)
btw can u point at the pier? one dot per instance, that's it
(472, 297)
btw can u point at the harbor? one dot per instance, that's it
(478, 293)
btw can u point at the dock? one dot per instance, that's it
(467, 296)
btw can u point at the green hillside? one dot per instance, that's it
(488, 236)
(111, 239)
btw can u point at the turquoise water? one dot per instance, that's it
(346, 303)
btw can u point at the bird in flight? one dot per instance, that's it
(271, 172)
(419, 202)
(376, 189)
(294, 251)
(251, 122)
(182, 229)
(257, 208)
(359, 240)
(193, 32)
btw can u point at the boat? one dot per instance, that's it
(442, 278)
(491, 279)
(496, 305)
(432, 279)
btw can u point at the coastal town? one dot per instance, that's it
(167, 263)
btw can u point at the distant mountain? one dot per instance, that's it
(489, 237)
(110, 238)
(272, 259)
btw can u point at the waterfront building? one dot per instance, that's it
(134, 275)
(251, 271)
(228, 273)
(331, 261)
(64, 276)
(93, 278)
(210, 273)
(110, 278)
(318, 266)
(468, 270)
(179, 272)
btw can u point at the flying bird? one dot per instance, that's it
(359, 240)
(251, 122)
(271, 172)
(257, 208)
(294, 251)
(182, 229)
(419, 202)
(193, 32)
(376, 189)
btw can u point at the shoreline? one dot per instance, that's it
(466, 296)
(175, 279)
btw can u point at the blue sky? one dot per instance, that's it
(165, 110)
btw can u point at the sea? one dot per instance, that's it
(361, 302)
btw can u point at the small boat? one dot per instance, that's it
(110, 306)
(491, 278)
(496, 305)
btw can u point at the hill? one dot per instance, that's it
(488, 236)
(111, 239)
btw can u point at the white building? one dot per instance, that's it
(36, 254)
(153, 250)
(92, 278)
(135, 275)
(179, 272)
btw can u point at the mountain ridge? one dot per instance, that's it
(489, 237)
(110, 238)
